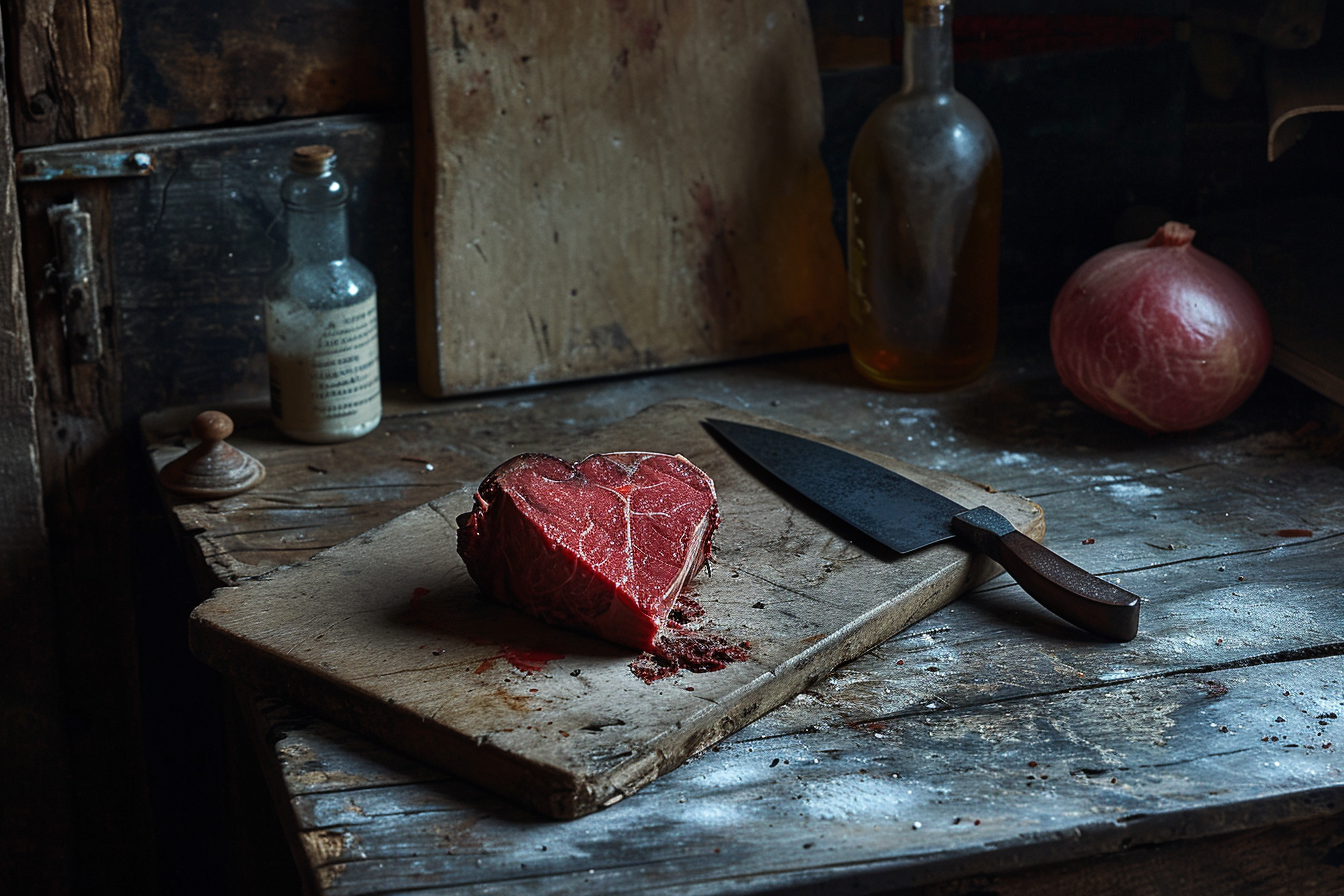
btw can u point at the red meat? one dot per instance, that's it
(602, 546)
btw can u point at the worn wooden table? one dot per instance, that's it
(988, 748)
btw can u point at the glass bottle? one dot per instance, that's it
(923, 205)
(321, 313)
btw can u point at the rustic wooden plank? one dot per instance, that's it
(618, 187)
(184, 65)
(984, 789)
(997, 645)
(309, 766)
(93, 70)
(1279, 860)
(972, 654)
(1017, 427)
(350, 632)
(1196, 617)
(1034, 440)
(36, 831)
(66, 68)
(1210, 510)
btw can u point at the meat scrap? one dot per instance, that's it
(602, 546)
(683, 646)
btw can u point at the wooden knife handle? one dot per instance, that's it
(1068, 591)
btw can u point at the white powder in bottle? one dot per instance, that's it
(321, 313)
(325, 385)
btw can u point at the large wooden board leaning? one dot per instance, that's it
(387, 635)
(607, 187)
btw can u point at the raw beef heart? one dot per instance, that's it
(603, 546)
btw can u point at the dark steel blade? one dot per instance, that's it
(901, 514)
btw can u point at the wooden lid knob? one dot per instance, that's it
(212, 426)
(214, 468)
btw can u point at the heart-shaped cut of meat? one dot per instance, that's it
(602, 546)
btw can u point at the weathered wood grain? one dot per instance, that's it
(1020, 431)
(185, 65)
(615, 187)
(1191, 522)
(983, 789)
(97, 69)
(66, 69)
(1196, 618)
(1291, 859)
(387, 633)
(35, 832)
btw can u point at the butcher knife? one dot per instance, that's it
(905, 516)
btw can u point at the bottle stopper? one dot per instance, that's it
(313, 159)
(214, 468)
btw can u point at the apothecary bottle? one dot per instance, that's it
(923, 207)
(321, 313)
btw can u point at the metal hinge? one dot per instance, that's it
(77, 279)
(76, 274)
(73, 163)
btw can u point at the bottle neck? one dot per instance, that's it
(928, 47)
(317, 234)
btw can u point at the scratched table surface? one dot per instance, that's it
(987, 748)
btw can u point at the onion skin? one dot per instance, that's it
(1159, 335)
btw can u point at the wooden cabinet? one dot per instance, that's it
(111, 758)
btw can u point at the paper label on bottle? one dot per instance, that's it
(325, 384)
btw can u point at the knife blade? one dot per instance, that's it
(906, 516)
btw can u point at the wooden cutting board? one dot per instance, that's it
(608, 186)
(387, 635)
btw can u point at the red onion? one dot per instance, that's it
(1159, 335)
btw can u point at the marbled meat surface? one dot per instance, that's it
(602, 546)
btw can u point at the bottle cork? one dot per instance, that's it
(312, 159)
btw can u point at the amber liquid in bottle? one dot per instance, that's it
(924, 204)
